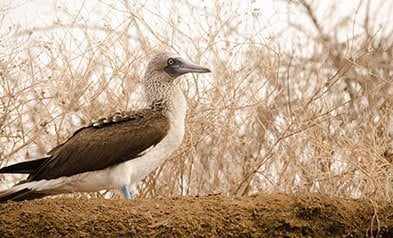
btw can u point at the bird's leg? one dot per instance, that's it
(127, 193)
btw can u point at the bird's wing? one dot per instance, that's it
(105, 143)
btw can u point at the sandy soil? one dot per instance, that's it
(220, 216)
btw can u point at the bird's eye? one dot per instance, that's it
(171, 61)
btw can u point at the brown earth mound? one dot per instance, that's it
(221, 216)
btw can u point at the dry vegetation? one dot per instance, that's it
(307, 107)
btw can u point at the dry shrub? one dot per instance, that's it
(292, 110)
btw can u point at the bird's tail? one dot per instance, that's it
(34, 189)
(19, 195)
(24, 190)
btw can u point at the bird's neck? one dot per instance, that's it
(169, 98)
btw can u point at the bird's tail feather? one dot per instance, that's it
(20, 192)
(21, 195)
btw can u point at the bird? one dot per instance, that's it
(116, 151)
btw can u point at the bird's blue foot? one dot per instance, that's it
(127, 194)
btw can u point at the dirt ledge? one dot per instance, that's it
(263, 215)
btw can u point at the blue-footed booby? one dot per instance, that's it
(116, 151)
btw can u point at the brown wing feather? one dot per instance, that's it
(98, 147)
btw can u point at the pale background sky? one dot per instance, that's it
(40, 13)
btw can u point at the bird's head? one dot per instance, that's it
(169, 66)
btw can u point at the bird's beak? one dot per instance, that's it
(187, 67)
(180, 67)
